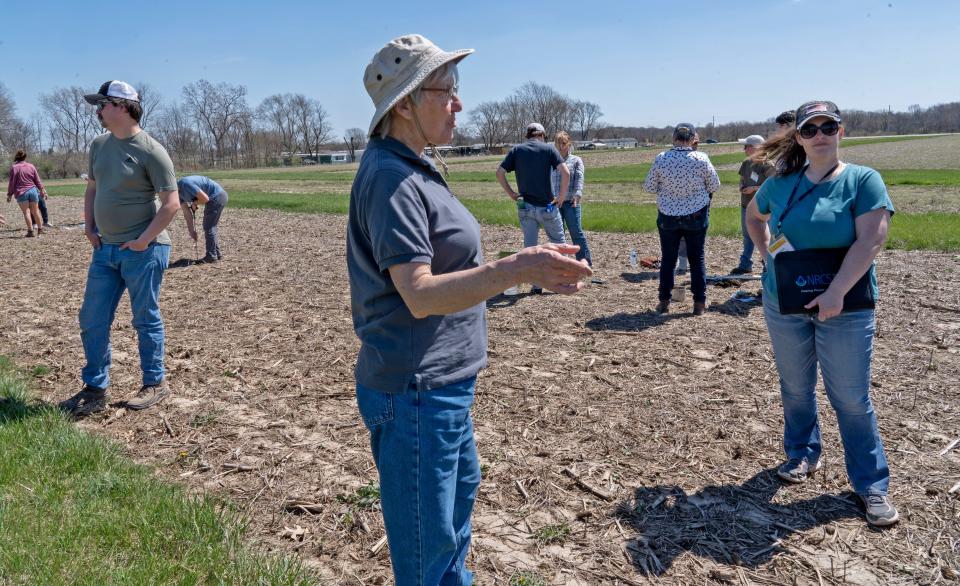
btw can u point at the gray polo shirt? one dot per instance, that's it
(402, 211)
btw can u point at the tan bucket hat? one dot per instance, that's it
(399, 67)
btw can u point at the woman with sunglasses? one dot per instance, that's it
(816, 201)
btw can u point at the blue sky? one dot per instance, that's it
(644, 63)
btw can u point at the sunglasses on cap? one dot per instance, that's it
(828, 128)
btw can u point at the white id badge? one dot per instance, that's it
(754, 176)
(781, 244)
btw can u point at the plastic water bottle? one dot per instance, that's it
(521, 205)
(633, 258)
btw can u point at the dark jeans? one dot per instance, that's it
(573, 219)
(43, 210)
(692, 229)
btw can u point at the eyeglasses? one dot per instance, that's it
(102, 103)
(827, 128)
(451, 92)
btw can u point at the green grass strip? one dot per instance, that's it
(924, 231)
(75, 510)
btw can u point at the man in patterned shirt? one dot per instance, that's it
(684, 181)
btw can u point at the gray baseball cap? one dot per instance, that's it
(752, 140)
(399, 67)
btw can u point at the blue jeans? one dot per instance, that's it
(533, 217)
(423, 446)
(31, 195)
(843, 347)
(573, 219)
(746, 257)
(692, 229)
(211, 218)
(111, 271)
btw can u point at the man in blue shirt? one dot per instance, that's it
(536, 205)
(197, 190)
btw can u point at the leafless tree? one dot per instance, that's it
(217, 109)
(150, 100)
(585, 117)
(72, 122)
(355, 139)
(489, 121)
(174, 129)
(312, 123)
(276, 115)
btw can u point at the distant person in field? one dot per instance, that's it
(785, 121)
(418, 286)
(26, 187)
(820, 205)
(130, 199)
(571, 209)
(684, 181)
(539, 207)
(198, 190)
(753, 172)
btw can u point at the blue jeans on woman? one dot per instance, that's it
(573, 219)
(111, 271)
(692, 229)
(843, 347)
(423, 446)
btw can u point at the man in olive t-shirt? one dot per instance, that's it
(130, 199)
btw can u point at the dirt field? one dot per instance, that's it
(618, 446)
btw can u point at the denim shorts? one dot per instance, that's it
(31, 195)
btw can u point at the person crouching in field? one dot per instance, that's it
(418, 286)
(197, 190)
(25, 185)
(826, 210)
(125, 224)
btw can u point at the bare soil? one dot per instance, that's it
(618, 446)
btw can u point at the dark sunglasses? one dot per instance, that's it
(103, 103)
(827, 128)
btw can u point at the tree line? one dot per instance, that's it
(212, 125)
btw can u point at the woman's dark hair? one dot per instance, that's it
(20, 156)
(784, 152)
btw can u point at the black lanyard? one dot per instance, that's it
(792, 204)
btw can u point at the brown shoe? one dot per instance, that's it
(699, 308)
(148, 396)
(663, 307)
(29, 234)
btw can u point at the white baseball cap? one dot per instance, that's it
(113, 89)
(752, 140)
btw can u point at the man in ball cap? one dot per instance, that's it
(131, 197)
(753, 172)
(418, 286)
(533, 160)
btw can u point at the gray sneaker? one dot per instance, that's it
(796, 470)
(88, 401)
(149, 395)
(880, 511)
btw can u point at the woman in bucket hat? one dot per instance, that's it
(418, 284)
(817, 203)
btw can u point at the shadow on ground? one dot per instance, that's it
(734, 524)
